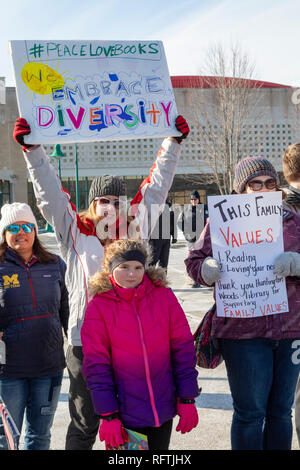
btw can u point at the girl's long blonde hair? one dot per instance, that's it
(100, 282)
(91, 214)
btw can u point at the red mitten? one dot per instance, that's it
(111, 432)
(183, 127)
(188, 417)
(21, 129)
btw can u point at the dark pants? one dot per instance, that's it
(83, 428)
(84, 425)
(160, 252)
(158, 438)
(262, 375)
(297, 410)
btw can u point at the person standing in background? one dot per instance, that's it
(191, 222)
(291, 171)
(162, 236)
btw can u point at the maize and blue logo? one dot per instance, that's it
(10, 281)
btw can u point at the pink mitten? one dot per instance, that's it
(111, 432)
(188, 417)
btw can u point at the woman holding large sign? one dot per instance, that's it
(82, 238)
(259, 351)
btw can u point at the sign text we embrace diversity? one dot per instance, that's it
(76, 91)
(246, 234)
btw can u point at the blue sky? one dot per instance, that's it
(267, 30)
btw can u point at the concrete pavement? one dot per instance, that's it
(214, 404)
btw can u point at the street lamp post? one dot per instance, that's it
(58, 153)
(76, 179)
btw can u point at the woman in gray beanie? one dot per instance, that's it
(82, 239)
(258, 352)
(33, 310)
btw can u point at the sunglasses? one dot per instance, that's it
(257, 185)
(15, 228)
(104, 201)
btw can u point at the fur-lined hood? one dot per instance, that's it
(100, 282)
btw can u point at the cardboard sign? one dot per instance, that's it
(133, 441)
(246, 235)
(10, 429)
(77, 91)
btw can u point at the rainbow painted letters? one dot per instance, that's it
(76, 91)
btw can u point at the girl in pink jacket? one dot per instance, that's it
(139, 357)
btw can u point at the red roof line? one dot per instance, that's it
(202, 81)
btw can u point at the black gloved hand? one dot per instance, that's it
(183, 127)
(21, 129)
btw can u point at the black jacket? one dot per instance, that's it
(165, 226)
(192, 220)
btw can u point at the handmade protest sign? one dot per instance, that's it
(246, 235)
(133, 441)
(77, 91)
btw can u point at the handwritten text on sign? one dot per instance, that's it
(246, 234)
(72, 91)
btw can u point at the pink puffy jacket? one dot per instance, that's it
(138, 353)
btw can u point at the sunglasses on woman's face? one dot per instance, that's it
(104, 201)
(257, 185)
(15, 228)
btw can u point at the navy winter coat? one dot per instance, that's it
(33, 310)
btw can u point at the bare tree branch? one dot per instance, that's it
(224, 110)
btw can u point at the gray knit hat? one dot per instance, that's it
(107, 185)
(249, 168)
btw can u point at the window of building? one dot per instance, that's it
(4, 192)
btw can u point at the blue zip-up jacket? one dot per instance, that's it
(33, 310)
